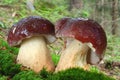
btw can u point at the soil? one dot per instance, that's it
(111, 69)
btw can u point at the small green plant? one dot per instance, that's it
(94, 69)
(2, 25)
(55, 58)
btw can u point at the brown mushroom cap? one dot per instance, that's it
(84, 30)
(28, 27)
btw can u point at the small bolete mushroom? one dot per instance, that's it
(32, 34)
(85, 42)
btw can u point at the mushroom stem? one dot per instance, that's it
(35, 55)
(74, 55)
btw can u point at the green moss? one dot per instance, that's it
(5, 47)
(69, 74)
(26, 75)
(7, 65)
(78, 74)
(7, 60)
(3, 77)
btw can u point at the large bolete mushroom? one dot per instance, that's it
(85, 42)
(33, 34)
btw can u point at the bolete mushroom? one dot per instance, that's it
(32, 34)
(85, 42)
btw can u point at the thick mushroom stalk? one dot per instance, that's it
(74, 55)
(35, 55)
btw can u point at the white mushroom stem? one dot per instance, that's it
(73, 56)
(35, 55)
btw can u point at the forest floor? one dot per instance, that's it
(111, 68)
